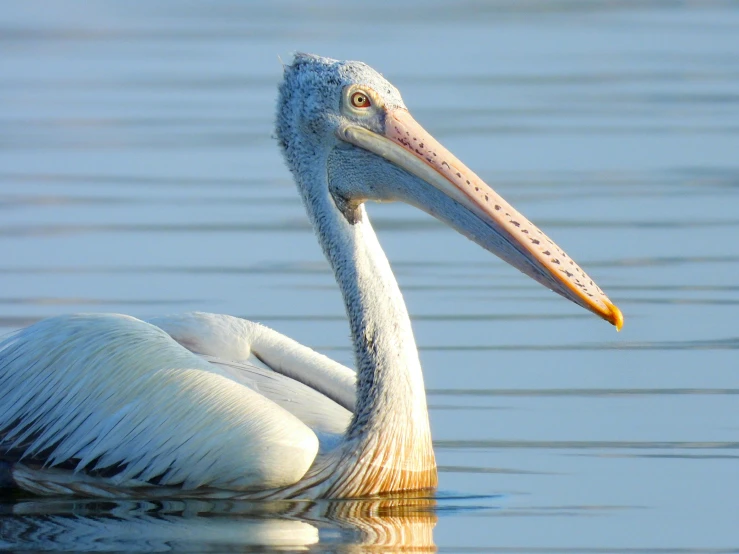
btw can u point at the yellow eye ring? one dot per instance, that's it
(360, 100)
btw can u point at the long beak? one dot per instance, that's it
(518, 241)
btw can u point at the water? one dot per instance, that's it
(138, 174)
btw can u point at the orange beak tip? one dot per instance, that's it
(615, 316)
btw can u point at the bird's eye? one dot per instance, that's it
(360, 100)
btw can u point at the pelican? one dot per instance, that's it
(205, 405)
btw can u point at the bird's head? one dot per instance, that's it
(320, 95)
(345, 118)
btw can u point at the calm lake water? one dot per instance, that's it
(138, 174)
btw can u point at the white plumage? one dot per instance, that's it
(239, 340)
(120, 396)
(212, 405)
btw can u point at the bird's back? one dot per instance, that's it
(111, 400)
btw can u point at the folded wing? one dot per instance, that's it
(114, 397)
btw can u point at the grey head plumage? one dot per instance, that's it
(309, 102)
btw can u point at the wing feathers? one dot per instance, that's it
(109, 391)
(235, 339)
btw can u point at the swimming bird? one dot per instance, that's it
(217, 406)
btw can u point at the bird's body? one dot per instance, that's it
(212, 405)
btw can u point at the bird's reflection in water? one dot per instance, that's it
(398, 522)
(392, 523)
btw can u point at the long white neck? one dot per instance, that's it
(388, 443)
